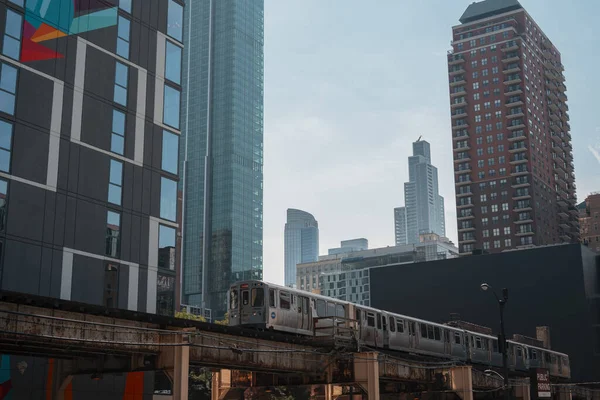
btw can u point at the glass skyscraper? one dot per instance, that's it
(222, 153)
(301, 242)
(424, 207)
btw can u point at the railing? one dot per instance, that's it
(336, 327)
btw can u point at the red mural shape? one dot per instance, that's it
(32, 51)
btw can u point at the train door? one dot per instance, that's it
(378, 333)
(385, 333)
(304, 314)
(447, 349)
(468, 346)
(413, 338)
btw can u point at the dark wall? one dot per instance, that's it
(546, 287)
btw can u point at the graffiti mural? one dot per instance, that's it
(47, 20)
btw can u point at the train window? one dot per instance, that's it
(340, 310)
(478, 342)
(378, 321)
(392, 324)
(533, 354)
(413, 328)
(272, 297)
(547, 356)
(258, 297)
(430, 334)
(284, 300)
(305, 305)
(566, 361)
(553, 359)
(245, 297)
(357, 314)
(456, 337)
(233, 299)
(495, 346)
(400, 326)
(519, 352)
(321, 308)
(446, 336)
(330, 309)
(436, 331)
(370, 319)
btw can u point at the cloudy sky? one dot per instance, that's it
(350, 84)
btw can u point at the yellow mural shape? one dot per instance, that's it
(46, 32)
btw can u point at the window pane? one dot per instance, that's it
(14, 22)
(117, 144)
(122, 48)
(116, 172)
(18, 2)
(170, 152)
(7, 103)
(118, 122)
(173, 63)
(4, 161)
(171, 107)
(175, 21)
(3, 198)
(168, 199)
(121, 75)
(8, 81)
(124, 28)
(11, 47)
(5, 135)
(120, 95)
(125, 5)
(114, 194)
(113, 225)
(114, 220)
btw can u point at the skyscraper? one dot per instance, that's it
(89, 131)
(301, 242)
(423, 210)
(222, 153)
(513, 159)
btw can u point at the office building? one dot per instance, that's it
(89, 128)
(423, 210)
(308, 275)
(513, 159)
(348, 246)
(301, 242)
(222, 109)
(589, 221)
(558, 288)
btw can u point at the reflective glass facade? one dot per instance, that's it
(222, 155)
(301, 242)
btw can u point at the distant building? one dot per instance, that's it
(423, 210)
(589, 221)
(301, 242)
(339, 267)
(347, 246)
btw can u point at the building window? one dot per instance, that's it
(111, 286)
(8, 88)
(125, 5)
(483, 198)
(6, 133)
(124, 32)
(175, 21)
(496, 231)
(484, 209)
(166, 247)
(171, 106)
(486, 245)
(18, 2)
(494, 207)
(11, 46)
(486, 233)
(505, 207)
(3, 203)
(173, 62)
(507, 242)
(496, 244)
(168, 199)
(121, 79)
(115, 182)
(507, 230)
(113, 234)
(117, 141)
(170, 152)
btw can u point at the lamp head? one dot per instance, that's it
(485, 286)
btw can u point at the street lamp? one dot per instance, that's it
(502, 337)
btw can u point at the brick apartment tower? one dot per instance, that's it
(513, 158)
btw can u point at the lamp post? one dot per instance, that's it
(502, 338)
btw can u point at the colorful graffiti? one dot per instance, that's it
(47, 20)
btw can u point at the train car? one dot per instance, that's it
(267, 306)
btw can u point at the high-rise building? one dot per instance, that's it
(589, 220)
(350, 245)
(89, 131)
(513, 157)
(222, 109)
(423, 210)
(301, 242)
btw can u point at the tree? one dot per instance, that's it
(187, 315)
(224, 321)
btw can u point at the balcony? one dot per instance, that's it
(550, 84)
(515, 124)
(564, 107)
(458, 91)
(565, 117)
(513, 90)
(459, 102)
(517, 149)
(467, 241)
(519, 171)
(511, 68)
(518, 159)
(465, 157)
(562, 213)
(525, 232)
(562, 88)
(556, 128)
(565, 237)
(512, 79)
(510, 46)
(466, 216)
(467, 228)
(564, 225)
(554, 117)
(562, 202)
(461, 182)
(516, 136)
(464, 125)
(552, 95)
(459, 80)
(464, 193)
(552, 106)
(456, 59)
(456, 71)
(520, 183)
(460, 135)
(515, 113)
(520, 221)
(510, 57)
(521, 195)
(514, 101)
(463, 169)
(459, 113)
(465, 205)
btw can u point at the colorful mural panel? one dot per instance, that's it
(47, 20)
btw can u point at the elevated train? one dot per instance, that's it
(267, 306)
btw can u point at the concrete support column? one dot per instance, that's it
(221, 384)
(462, 381)
(329, 392)
(181, 372)
(563, 393)
(523, 391)
(366, 373)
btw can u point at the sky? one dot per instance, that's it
(350, 84)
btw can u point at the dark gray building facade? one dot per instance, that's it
(90, 126)
(554, 286)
